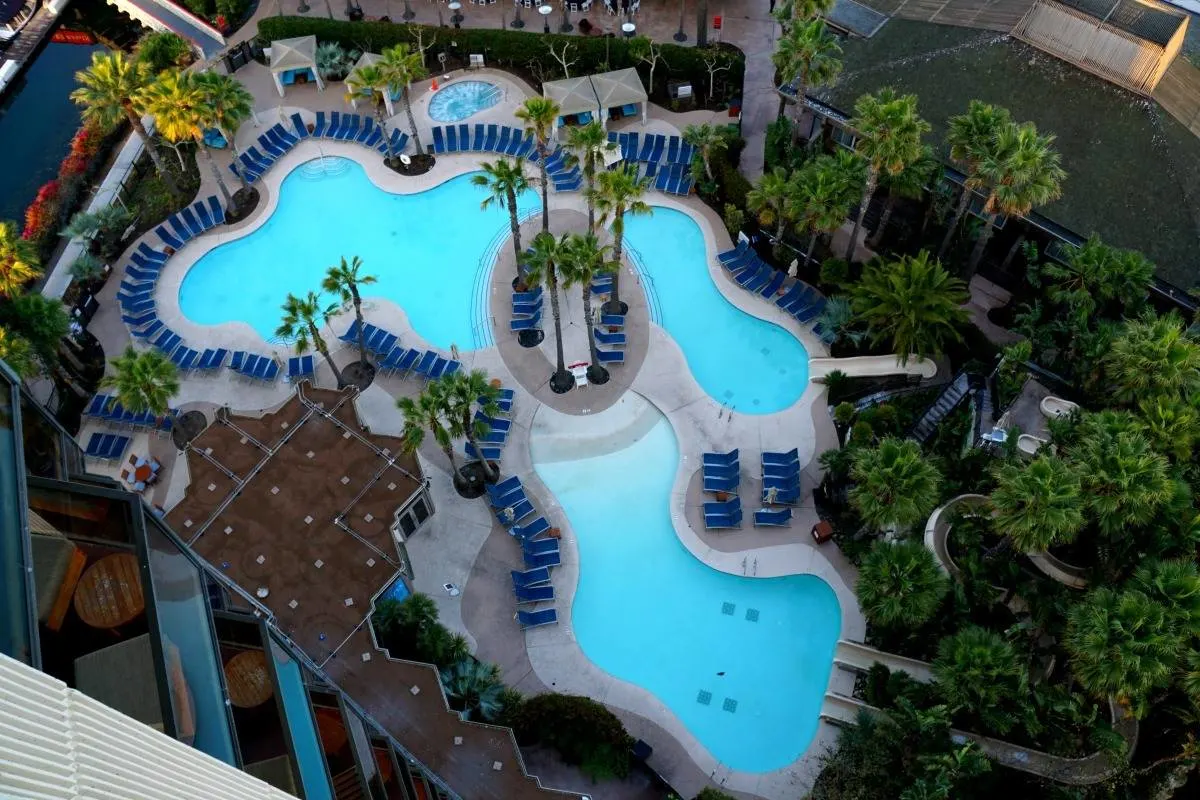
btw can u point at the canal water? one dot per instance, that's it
(37, 117)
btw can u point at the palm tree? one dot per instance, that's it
(979, 673)
(474, 685)
(228, 103)
(1176, 584)
(18, 261)
(888, 131)
(581, 261)
(17, 352)
(900, 585)
(708, 140)
(538, 115)
(912, 303)
(822, 190)
(541, 266)
(1122, 644)
(302, 318)
(143, 381)
(908, 184)
(838, 318)
(773, 199)
(1125, 482)
(343, 280)
(1096, 274)
(1038, 504)
(585, 143)
(972, 137)
(806, 55)
(895, 487)
(402, 67)
(619, 192)
(463, 393)
(789, 12)
(505, 181)
(427, 413)
(1153, 357)
(375, 82)
(1172, 425)
(1024, 171)
(107, 91)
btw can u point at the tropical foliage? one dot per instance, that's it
(1038, 504)
(301, 324)
(912, 304)
(142, 381)
(894, 485)
(900, 585)
(343, 280)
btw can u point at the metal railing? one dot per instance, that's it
(653, 302)
(481, 321)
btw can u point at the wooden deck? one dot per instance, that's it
(1179, 93)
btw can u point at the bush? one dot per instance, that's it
(410, 629)
(735, 218)
(525, 51)
(584, 732)
(162, 50)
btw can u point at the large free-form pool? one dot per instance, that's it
(743, 662)
(424, 248)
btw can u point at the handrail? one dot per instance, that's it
(639, 268)
(481, 331)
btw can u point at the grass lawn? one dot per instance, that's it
(1133, 171)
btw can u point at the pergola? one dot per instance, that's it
(573, 96)
(366, 60)
(618, 89)
(295, 58)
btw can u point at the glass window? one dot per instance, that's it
(407, 524)
(49, 451)
(421, 509)
(301, 725)
(17, 634)
(181, 603)
(82, 515)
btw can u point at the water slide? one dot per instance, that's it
(871, 366)
(860, 657)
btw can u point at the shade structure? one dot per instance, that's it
(573, 95)
(366, 60)
(619, 88)
(292, 58)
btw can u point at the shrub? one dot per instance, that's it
(779, 144)
(584, 732)
(162, 50)
(735, 218)
(843, 413)
(410, 629)
(835, 272)
(41, 218)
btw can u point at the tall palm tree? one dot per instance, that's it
(912, 303)
(708, 140)
(789, 12)
(822, 190)
(427, 413)
(228, 104)
(773, 199)
(619, 192)
(1095, 275)
(1038, 504)
(302, 318)
(1153, 357)
(18, 261)
(1122, 644)
(538, 115)
(889, 131)
(1125, 482)
(806, 55)
(900, 585)
(107, 90)
(376, 83)
(541, 267)
(585, 142)
(972, 137)
(894, 485)
(978, 673)
(476, 686)
(505, 181)
(143, 381)
(343, 280)
(463, 393)
(1024, 171)
(582, 260)
(402, 67)
(909, 184)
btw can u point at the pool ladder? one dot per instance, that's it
(323, 167)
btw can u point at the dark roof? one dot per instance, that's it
(1153, 22)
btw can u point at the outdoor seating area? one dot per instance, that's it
(526, 310)
(791, 294)
(667, 160)
(394, 359)
(253, 163)
(105, 408)
(492, 442)
(721, 475)
(191, 222)
(781, 477)
(507, 141)
(106, 446)
(609, 333)
(509, 502)
(140, 472)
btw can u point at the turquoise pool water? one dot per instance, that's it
(746, 363)
(742, 662)
(464, 99)
(424, 248)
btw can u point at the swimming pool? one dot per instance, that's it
(424, 248)
(741, 361)
(742, 662)
(463, 99)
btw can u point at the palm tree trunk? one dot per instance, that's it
(779, 229)
(489, 473)
(381, 120)
(981, 244)
(545, 188)
(888, 207)
(514, 225)
(812, 245)
(782, 106)
(868, 193)
(358, 317)
(561, 365)
(590, 174)
(212, 164)
(236, 154)
(455, 475)
(963, 202)
(596, 372)
(707, 163)
(412, 122)
(614, 304)
(801, 90)
(1012, 253)
(155, 156)
(323, 349)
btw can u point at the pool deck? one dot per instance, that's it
(462, 544)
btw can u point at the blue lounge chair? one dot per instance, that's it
(97, 444)
(527, 309)
(489, 142)
(138, 306)
(660, 143)
(489, 453)
(335, 122)
(772, 517)
(537, 618)
(202, 212)
(537, 547)
(268, 370)
(167, 341)
(152, 263)
(439, 143)
(185, 358)
(773, 285)
(501, 144)
(789, 496)
(351, 129)
(366, 132)
(721, 459)
(273, 149)
(181, 228)
(610, 356)
(510, 499)
(729, 506)
(212, 359)
(428, 359)
(264, 162)
(783, 483)
(793, 293)
(153, 328)
(530, 577)
(140, 277)
(299, 126)
(772, 457)
(542, 559)
(479, 139)
(721, 483)
(218, 213)
(407, 360)
(351, 334)
(525, 323)
(439, 368)
(280, 136)
(504, 487)
(464, 137)
(97, 405)
(721, 470)
(759, 280)
(612, 339)
(716, 521)
(138, 320)
(531, 296)
(673, 150)
(451, 139)
(647, 148)
(168, 238)
(534, 594)
(494, 437)
(320, 126)
(238, 361)
(539, 525)
(613, 320)
(520, 511)
(493, 422)
(516, 143)
(300, 367)
(145, 251)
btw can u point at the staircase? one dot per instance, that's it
(346, 785)
(985, 419)
(946, 402)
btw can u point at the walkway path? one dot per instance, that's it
(165, 16)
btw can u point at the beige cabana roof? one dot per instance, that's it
(295, 53)
(366, 60)
(618, 88)
(573, 95)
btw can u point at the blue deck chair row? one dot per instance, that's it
(300, 367)
(375, 339)
(513, 142)
(190, 222)
(628, 142)
(505, 398)
(105, 407)
(751, 273)
(275, 142)
(658, 148)
(721, 472)
(428, 364)
(773, 517)
(261, 368)
(106, 446)
(781, 478)
(675, 179)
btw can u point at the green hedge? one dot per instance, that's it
(526, 52)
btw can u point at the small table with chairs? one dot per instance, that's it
(109, 594)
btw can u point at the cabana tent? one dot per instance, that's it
(366, 60)
(574, 96)
(295, 59)
(1128, 42)
(619, 89)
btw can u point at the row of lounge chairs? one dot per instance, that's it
(655, 148)
(352, 128)
(672, 179)
(781, 485)
(492, 442)
(531, 585)
(797, 298)
(394, 359)
(255, 367)
(526, 310)
(610, 333)
(106, 446)
(190, 222)
(513, 142)
(105, 408)
(300, 367)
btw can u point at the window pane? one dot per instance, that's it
(407, 525)
(16, 614)
(421, 509)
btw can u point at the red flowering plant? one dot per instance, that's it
(42, 215)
